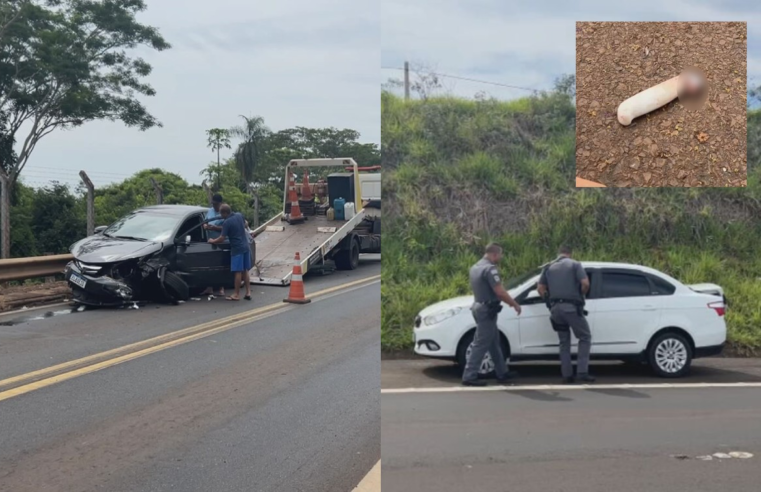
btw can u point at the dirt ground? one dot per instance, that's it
(615, 60)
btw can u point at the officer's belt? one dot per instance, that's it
(575, 302)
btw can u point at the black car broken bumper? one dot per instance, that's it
(96, 291)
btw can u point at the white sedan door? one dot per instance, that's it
(537, 335)
(625, 313)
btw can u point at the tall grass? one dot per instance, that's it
(460, 173)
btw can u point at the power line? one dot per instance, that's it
(457, 77)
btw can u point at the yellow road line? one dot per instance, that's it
(20, 390)
(160, 341)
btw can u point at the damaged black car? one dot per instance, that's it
(154, 253)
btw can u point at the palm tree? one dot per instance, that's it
(249, 152)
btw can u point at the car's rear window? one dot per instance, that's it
(615, 284)
(141, 225)
(662, 287)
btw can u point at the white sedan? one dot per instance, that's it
(636, 314)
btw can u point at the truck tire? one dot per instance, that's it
(176, 287)
(348, 259)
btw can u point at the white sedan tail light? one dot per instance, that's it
(719, 307)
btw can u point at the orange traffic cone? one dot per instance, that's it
(296, 295)
(306, 192)
(295, 216)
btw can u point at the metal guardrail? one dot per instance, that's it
(33, 267)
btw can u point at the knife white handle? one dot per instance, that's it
(648, 100)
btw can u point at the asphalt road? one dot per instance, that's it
(621, 437)
(286, 401)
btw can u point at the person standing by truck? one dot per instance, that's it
(234, 230)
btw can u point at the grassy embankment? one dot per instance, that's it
(459, 173)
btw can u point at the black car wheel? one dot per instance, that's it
(176, 287)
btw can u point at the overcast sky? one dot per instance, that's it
(294, 62)
(526, 43)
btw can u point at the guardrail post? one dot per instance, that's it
(90, 202)
(5, 215)
(159, 192)
(50, 278)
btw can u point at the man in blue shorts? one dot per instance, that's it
(234, 230)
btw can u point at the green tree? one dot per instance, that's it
(7, 141)
(217, 139)
(228, 173)
(64, 63)
(255, 135)
(311, 143)
(57, 219)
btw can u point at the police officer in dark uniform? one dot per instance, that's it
(564, 283)
(488, 292)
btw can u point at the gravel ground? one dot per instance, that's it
(672, 146)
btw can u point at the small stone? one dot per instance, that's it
(660, 162)
(682, 174)
(648, 141)
(647, 177)
(595, 105)
(634, 165)
(637, 140)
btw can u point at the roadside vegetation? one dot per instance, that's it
(459, 173)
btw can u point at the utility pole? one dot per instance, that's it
(406, 81)
(159, 192)
(5, 215)
(208, 191)
(90, 202)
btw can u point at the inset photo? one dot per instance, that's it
(661, 104)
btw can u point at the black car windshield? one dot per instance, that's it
(143, 226)
(516, 281)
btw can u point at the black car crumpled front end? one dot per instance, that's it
(96, 285)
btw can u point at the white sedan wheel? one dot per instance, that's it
(671, 355)
(487, 364)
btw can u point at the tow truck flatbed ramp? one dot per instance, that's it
(278, 241)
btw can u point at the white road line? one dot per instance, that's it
(372, 481)
(558, 387)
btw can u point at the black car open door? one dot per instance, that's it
(201, 264)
